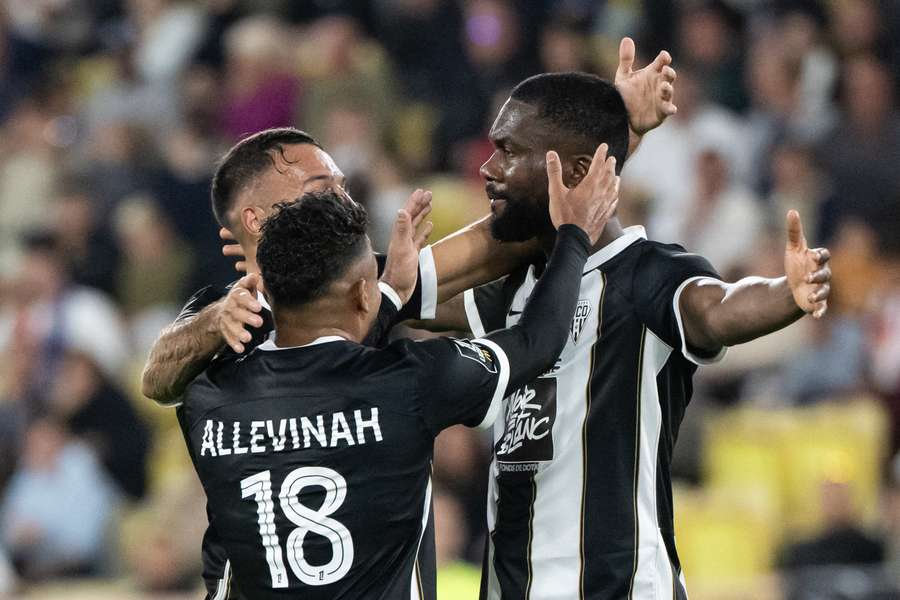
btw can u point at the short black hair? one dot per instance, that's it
(308, 244)
(247, 159)
(582, 105)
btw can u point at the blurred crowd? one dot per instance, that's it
(113, 113)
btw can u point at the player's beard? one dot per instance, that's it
(521, 221)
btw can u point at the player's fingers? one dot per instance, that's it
(423, 234)
(821, 255)
(240, 266)
(414, 201)
(821, 294)
(820, 276)
(595, 171)
(554, 175)
(243, 317)
(403, 225)
(662, 60)
(668, 108)
(226, 235)
(233, 341)
(666, 91)
(417, 220)
(821, 309)
(626, 57)
(669, 74)
(794, 230)
(232, 250)
(248, 282)
(246, 302)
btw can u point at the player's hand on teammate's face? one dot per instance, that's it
(648, 93)
(592, 202)
(232, 249)
(238, 310)
(409, 234)
(808, 273)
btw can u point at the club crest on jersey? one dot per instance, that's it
(475, 352)
(582, 311)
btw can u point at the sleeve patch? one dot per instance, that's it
(476, 353)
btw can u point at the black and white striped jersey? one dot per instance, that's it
(580, 502)
(316, 460)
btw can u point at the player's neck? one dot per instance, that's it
(611, 232)
(304, 326)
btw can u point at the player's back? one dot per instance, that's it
(316, 461)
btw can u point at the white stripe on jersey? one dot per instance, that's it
(653, 577)
(676, 299)
(559, 485)
(426, 512)
(474, 318)
(223, 585)
(428, 273)
(502, 379)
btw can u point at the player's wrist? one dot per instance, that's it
(403, 289)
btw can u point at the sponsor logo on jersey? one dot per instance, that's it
(582, 311)
(477, 353)
(530, 413)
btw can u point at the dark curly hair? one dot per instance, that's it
(308, 244)
(245, 161)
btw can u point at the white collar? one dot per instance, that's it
(269, 344)
(630, 236)
(262, 300)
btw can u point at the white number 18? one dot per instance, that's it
(259, 487)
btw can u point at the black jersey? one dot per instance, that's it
(580, 502)
(316, 460)
(217, 573)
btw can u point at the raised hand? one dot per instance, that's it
(649, 92)
(808, 273)
(407, 238)
(239, 310)
(232, 249)
(592, 202)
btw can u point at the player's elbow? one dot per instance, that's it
(151, 385)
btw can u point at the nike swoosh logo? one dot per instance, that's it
(513, 313)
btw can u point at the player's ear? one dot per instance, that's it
(359, 295)
(252, 218)
(580, 163)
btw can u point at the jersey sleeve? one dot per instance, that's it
(387, 316)
(462, 382)
(486, 306)
(661, 275)
(200, 300)
(422, 305)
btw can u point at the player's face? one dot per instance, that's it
(299, 169)
(515, 174)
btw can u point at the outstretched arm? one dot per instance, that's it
(717, 314)
(648, 93)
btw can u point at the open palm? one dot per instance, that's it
(649, 92)
(808, 273)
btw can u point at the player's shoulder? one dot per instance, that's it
(653, 256)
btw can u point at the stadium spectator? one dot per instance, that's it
(58, 508)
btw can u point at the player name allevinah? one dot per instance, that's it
(222, 438)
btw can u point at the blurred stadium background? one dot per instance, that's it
(112, 114)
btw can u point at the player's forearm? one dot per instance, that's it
(747, 309)
(471, 257)
(180, 354)
(534, 344)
